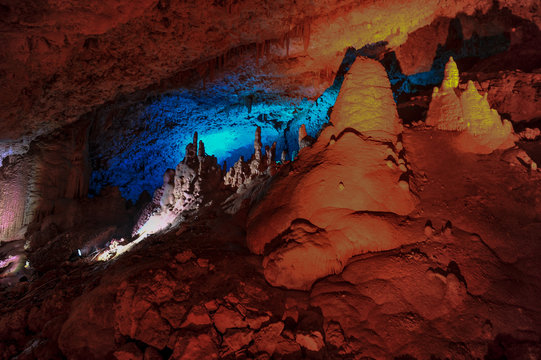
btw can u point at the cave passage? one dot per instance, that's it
(151, 136)
(225, 113)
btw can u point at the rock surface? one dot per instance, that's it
(482, 129)
(466, 289)
(349, 169)
(73, 55)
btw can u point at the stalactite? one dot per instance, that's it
(281, 42)
(258, 51)
(267, 48)
(212, 66)
(249, 101)
(287, 44)
(306, 35)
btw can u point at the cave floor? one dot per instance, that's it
(470, 289)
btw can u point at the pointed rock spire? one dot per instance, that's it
(450, 75)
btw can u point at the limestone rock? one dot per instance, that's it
(195, 347)
(451, 76)
(513, 93)
(482, 129)
(485, 130)
(312, 341)
(368, 184)
(198, 316)
(349, 169)
(184, 189)
(304, 139)
(225, 318)
(152, 354)
(265, 339)
(235, 339)
(445, 110)
(129, 351)
(89, 332)
(243, 173)
(365, 102)
(310, 253)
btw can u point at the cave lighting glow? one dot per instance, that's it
(479, 47)
(226, 111)
(159, 132)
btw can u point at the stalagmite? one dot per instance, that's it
(304, 139)
(450, 75)
(272, 158)
(257, 144)
(302, 133)
(365, 102)
(184, 189)
(308, 215)
(243, 173)
(445, 110)
(306, 35)
(201, 151)
(483, 129)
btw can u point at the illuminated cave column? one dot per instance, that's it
(480, 119)
(365, 102)
(451, 76)
(485, 131)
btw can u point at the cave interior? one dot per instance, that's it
(256, 179)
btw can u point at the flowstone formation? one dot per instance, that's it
(453, 110)
(343, 195)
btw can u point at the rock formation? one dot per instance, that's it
(445, 111)
(184, 190)
(363, 106)
(36, 185)
(483, 130)
(513, 93)
(350, 168)
(304, 139)
(243, 173)
(396, 245)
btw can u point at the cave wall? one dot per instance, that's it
(33, 185)
(61, 59)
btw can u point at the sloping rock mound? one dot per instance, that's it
(310, 252)
(402, 303)
(344, 170)
(485, 130)
(331, 176)
(445, 111)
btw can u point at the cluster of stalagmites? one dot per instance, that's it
(468, 112)
(198, 176)
(243, 173)
(184, 189)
